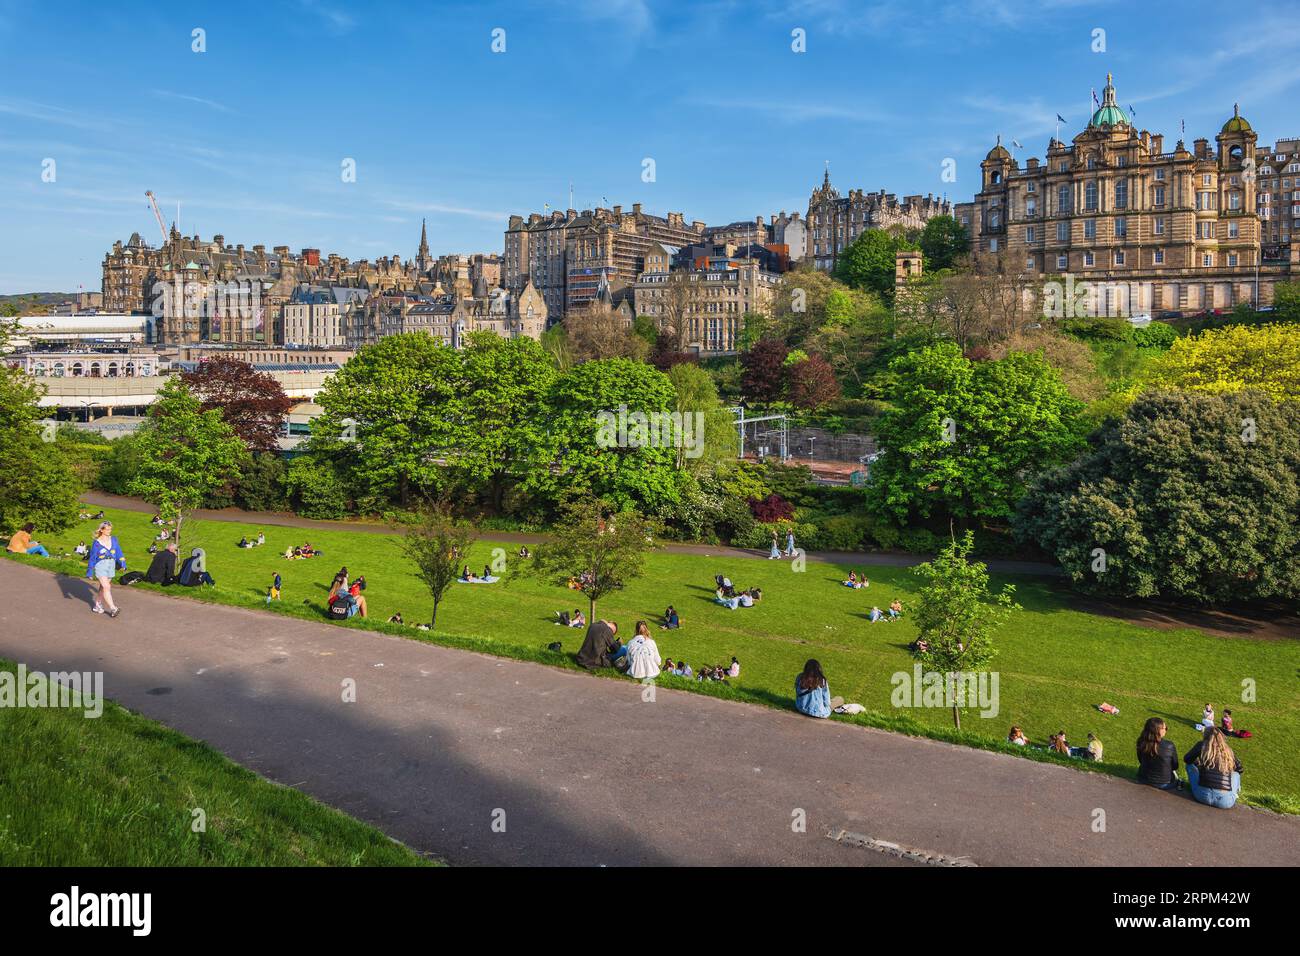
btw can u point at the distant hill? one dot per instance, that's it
(34, 302)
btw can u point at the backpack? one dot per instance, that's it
(131, 577)
(339, 610)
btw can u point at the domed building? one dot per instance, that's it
(1154, 230)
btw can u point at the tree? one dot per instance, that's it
(1232, 359)
(1286, 300)
(956, 615)
(869, 261)
(1189, 496)
(252, 402)
(596, 547)
(1072, 359)
(391, 416)
(963, 438)
(628, 468)
(597, 331)
(674, 299)
(435, 542)
(944, 242)
(972, 310)
(812, 383)
(716, 441)
(505, 382)
(186, 454)
(37, 483)
(764, 377)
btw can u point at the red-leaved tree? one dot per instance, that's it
(813, 383)
(251, 402)
(763, 377)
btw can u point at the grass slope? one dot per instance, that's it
(1055, 663)
(120, 790)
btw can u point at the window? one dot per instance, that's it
(1158, 225)
(1121, 194)
(1031, 207)
(1158, 196)
(1119, 257)
(1062, 262)
(1029, 264)
(1090, 229)
(1234, 201)
(1062, 232)
(1207, 180)
(1123, 160)
(1121, 227)
(1092, 162)
(1030, 187)
(1029, 234)
(1232, 258)
(1090, 195)
(1207, 260)
(993, 245)
(1234, 229)
(1063, 199)
(1062, 166)
(1087, 259)
(1158, 257)
(1205, 230)
(1160, 175)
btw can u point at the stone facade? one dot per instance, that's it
(1152, 229)
(834, 221)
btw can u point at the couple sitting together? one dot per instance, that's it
(638, 658)
(730, 598)
(487, 577)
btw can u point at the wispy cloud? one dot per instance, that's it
(186, 97)
(794, 111)
(335, 20)
(492, 215)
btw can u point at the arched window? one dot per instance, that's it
(77, 370)
(94, 370)
(112, 370)
(39, 369)
(130, 370)
(58, 370)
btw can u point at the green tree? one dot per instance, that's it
(581, 456)
(37, 482)
(596, 546)
(1189, 496)
(186, 454)
(944, 242)
(957, 615)
(1286, 300)
(392, 415)
(717, 441)
(869, 261)
(505, 383)
(434, 542)
(963, 438)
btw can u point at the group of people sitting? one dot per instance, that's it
(303, 551)
(580, 582)
(244, 542)
(1213, 770)
(895, 612)
(487, 577)
(716, 672)
(638, 658)
(345, 599)
(577, 619)
(193, 570)
(857, 581)
(730, 598)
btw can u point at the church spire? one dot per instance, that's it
(424, 240)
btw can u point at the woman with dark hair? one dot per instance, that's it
(1213, 770)
(1157, 757)
(812, 695)
(22, 543)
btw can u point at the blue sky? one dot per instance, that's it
(250, 135)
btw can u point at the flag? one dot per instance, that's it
(1016, 144)
(1061, 119)
(1132, 111)
(1095, 102)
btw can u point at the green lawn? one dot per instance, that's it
(1055, 663)
(121, 790)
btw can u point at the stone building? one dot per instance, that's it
(1277, 195)
(834, 221)
(568, 255)
(706, 299)
(1150, 229)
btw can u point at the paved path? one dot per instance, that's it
(585, 770)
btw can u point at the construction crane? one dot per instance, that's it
(157, 215)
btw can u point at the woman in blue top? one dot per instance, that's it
(812, 695)
(104, 560)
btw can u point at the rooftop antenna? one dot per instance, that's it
(570, 193)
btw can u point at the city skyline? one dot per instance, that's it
(251, 134)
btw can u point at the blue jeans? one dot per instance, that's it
(1210, 796)
(38, 549)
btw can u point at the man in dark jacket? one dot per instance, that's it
(162, 569)
(599, 646)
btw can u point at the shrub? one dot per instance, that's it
(772, 508)
(1157, 335)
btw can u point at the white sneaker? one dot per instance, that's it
(98, 609)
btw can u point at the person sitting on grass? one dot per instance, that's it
(162, 569)
(669, 667)
(918, 647)
(734, 670)
(643, 661)
(854, 581)
(599, 646)
(671, 621)
(745, 598)
(1057, 744)
(1157, 756)
(720, 596)
(1207, 715)
(192, 573)
(895, 609)
(878, 615)
(523, 551)
(684, 669)
(261, 538)
(1093, 751)
(1225, 724)
(21, 542)
(81, 549)
(812, 695)
(1017, 736)
(396, 618)
(1213, 770)
(244, 543)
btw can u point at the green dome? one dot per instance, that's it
(1109, 113)
(1237, 124)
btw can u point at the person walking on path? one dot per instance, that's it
(789, 542)
(105, 560)
(776, 547)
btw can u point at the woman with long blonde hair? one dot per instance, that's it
(1213, 770)
(104, 560)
